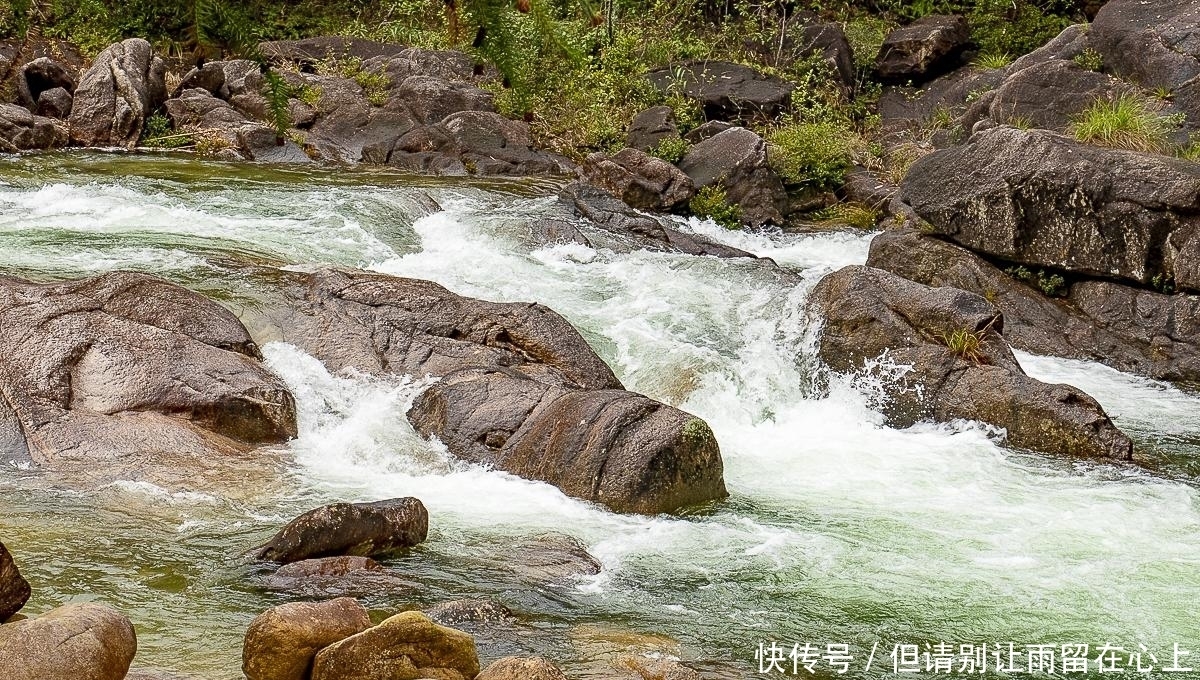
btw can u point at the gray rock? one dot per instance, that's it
(127, 367)
(14, 589)
(736, 159)
(1045, 95)
(55, 103)
(116, 95)
(85, 641)
(40, 75)
(642, 181)
(635, 229)
(652, 126)
(364, 529)
(869, 311)
(310, 51)
(1131, 329)
(210, 77)
(726, 91)
(551, 558)
(432, 99)
(1043, 200)
(20, 130)
(705, 130)
(925, 48)
(458, 612)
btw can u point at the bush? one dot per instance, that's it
(1089, 59)
(712, 202)
(158, 133)
(811, 154)
(1126, 122)
(1051, 285)
(671, 149)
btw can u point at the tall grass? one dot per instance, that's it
(1124, 122)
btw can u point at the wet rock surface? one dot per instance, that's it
(349, 529)
(14, 589)
(961, 365)
(89, 641)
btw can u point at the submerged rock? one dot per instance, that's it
(128, 367)
(353, 576)
(521, 668)
(521, 390)
(407, 645)
(116, 95)
(1131, 329)
(457, 612)
(78, 641)
(14, 589)
(1043, 200)
(961, 366)
(363, 529)
(551, 558)
(281, 642)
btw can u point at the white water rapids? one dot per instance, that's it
(838, 530)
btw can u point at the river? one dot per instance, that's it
(837, 530)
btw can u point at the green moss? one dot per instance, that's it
(697, 433)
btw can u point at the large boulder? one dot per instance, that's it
(1043, 200)
(366, 529)
(736, 159)
(1046, 95)
(961, 366)
(307, 53)
(78, 641)
(521, 390)
(924, 49)
(521, 668)
(404, 647)
(14, 589)
(726, 91)
(281, 642)
(128, 367)
(475, 142)
(116, 95)
(21, 130)
(1131, 329)
(642, 181)
(613, 447)
(1156, 44)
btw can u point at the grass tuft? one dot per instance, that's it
(1126, 122)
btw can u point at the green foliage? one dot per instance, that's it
(375, 84)
(1163, 283)
(277, 92)
(854, 215)
(670, 149)
(1125, 122)
(865, 33)
(309, 94)
(993, 60)
(1052, 285)
(712, 202)
(1013, 26)
(966, 344)
(811, 154)
(158, 133)
(1190, 151)
(1089, 59)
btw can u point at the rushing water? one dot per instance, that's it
(837, 530)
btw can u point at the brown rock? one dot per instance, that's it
(457, 612)
(641, 180)
(336, 577)
(365, 529)
(76, 641)
(404, 647)
(281, 642)
(116, 95)
(14, 589)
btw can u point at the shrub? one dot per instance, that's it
(712, 202)
(812, 154)
(1052, 285)
(159, 133)
(671, 149)
(1126, 122)
(1089, 59)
